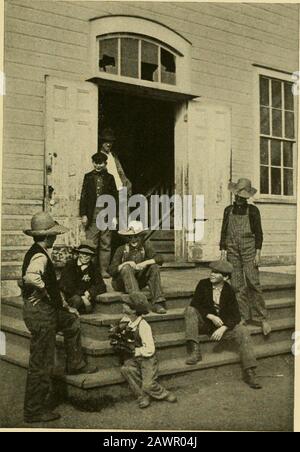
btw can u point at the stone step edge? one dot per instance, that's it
(94, 347)
(112, 376)
(172, 314)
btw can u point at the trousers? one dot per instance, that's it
(195, 325)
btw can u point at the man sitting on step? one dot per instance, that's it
(81, 281)
(214, 311)
(135, 265)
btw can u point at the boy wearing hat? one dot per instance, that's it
(135, 265)
(241, 240)
(214, 311)
(44, 315)
(114, 167)
(81, 281)
(96, 183)
(141, 370)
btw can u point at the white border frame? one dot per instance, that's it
(257, 71)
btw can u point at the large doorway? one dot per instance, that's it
(145, 138)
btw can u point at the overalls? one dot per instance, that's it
(241, 252)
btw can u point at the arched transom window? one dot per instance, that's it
(138, 57)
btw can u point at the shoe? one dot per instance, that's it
(44, 417)
(250, 379)
(266, 328)
(171, 398)
(158, 308)
(144, 402)
(83, 370)
(105, 275)
(194, 353)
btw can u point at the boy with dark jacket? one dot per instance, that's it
(80, 281)
(214, 311)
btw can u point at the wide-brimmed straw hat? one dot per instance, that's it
(221, 266)
(242, 188)
(43, 224)
(134, 228)
(87, 247)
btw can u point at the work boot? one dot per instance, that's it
(266, 328)
(171, 398)
(194, 353)
(159, 308)
(250, 379)
(144, 401)
(43, 417)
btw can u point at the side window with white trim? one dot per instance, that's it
(277, 137)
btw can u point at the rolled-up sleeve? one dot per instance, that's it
(35, 270)
(148, 347)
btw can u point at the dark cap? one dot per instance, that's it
(221, 266)
(138, 302)
(99, 157)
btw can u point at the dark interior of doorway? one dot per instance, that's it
(144, 128)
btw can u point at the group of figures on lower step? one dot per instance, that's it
(222, 305)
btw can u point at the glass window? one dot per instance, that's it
(264, 151)
(108, 58)
(277, 119)
(149, 62)
(276, 152)
(129, 57)
(168, 67)
(264, 91)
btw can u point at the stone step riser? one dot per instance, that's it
(168, 352)
(100, 332)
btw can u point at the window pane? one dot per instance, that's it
(276, 94)
(289, 124)
(264, 121)
(168, 67)
(264, 153)
(288, 154)
(264, 179)
(288, 96)
(149, 61)
(288, 182)
(264, 91)
(276, 123)
(129, 57)
(275, 181)
(276, 152)
(108, 55)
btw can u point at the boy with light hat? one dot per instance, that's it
(135, 265)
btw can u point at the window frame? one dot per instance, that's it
(160, 45)
(263, 197)
(149, 29)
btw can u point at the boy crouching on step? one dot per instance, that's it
(141, 370)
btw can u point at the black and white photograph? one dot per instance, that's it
(149, 217)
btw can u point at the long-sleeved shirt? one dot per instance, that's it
(144, 329)
(127, 253)
(255, 223)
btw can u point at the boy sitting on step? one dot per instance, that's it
(141, 369)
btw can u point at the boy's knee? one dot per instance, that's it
(126, 269)
(154, 268)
